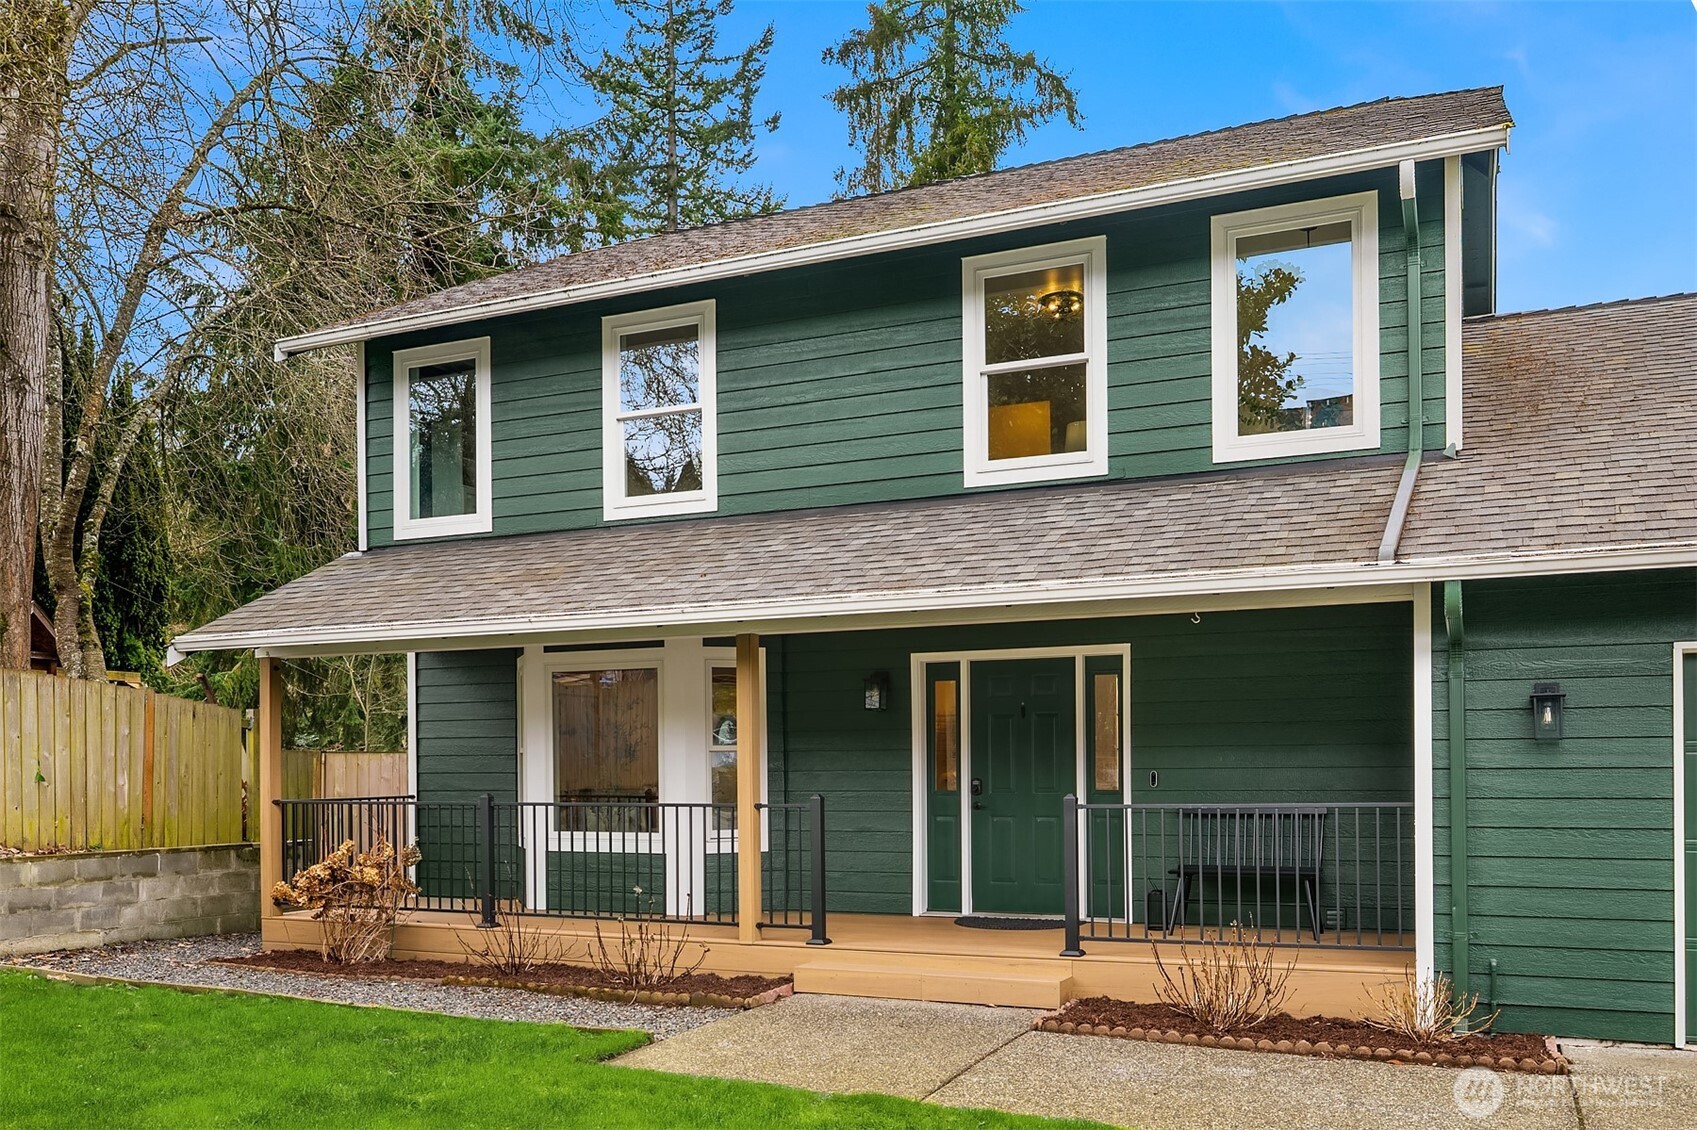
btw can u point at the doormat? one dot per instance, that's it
(986, 922)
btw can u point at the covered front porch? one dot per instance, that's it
(1099, 788)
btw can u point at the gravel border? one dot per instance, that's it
(195, 962)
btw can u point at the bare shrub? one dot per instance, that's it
(511, 947)
(1426, 1010)
(647, 953)
(1228, 984)
(356, 895)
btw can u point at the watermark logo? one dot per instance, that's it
(1478, 1092)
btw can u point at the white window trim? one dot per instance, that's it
(684, 668)
(478, 522)
(978, 469)
(1361, 211)
(615, 506)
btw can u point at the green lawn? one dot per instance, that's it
(78, 1056)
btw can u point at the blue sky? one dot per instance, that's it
(1599, 188)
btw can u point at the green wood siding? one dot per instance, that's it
(1307, 704)
(841, 383)
(467, 725)
(1571, 843)
(1286, 704)
(466, 728)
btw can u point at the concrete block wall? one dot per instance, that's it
(52, 902)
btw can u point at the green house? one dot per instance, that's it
(1048, 566)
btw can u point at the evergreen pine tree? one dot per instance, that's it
(936, 91)
(680, 123)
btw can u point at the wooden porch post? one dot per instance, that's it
(750, 771)
(269, 822)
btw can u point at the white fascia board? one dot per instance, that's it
(839, 611)
(1013, 219)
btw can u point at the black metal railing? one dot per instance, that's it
(607, 858)
(1313, 874)
(792, 869)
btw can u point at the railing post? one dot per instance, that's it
(819, 938)
(1069, 874)
(486, 829)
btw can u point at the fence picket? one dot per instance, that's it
(93, 766)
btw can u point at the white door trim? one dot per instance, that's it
(917, 663)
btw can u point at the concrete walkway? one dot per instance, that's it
(963, 1055)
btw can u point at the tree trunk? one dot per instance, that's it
(35, 50)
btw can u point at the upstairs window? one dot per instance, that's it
(1296, 329)
(660, 446)
(442, 465)
(1036, 399)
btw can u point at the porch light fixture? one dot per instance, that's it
(1547, 701)
(877, 687)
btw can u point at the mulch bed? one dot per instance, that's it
(702, 989)
(1324, 1036)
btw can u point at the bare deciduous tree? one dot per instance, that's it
(36, 40)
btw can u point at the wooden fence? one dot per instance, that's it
(315, 773)
(95, 767)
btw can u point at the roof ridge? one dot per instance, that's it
(1601, 304)
(1031, 165)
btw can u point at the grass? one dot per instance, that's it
(78, 1056)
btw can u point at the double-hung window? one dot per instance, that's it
(441, 441)
(1035, 372)
(1296, 329)
(659, 436)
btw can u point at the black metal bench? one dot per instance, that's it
(1249, 844)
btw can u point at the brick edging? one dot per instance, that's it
(1556, 1065)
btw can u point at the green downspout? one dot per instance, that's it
(1416, 393)
(1458, 785)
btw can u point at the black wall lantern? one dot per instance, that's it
(1546, 711)
(877, 688)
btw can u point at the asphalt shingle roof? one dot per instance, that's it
(1302, 136)
(1581, 432)
(1055, 537)
(1582, 436)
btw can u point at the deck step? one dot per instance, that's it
(1015, 984)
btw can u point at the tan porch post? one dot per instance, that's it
(750, 772)
(269, 822)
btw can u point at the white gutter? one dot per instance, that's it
(835, 608)
(1074, 208)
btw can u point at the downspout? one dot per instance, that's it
(1416, 398)
(1458, 786)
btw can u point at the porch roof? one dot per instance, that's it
(1581, 456)
(1045, 544)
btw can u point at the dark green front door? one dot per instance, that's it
(1023, 762)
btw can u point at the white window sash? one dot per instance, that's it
(615, 503)
(1361, 211)
(978, 469)
(404, 526)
